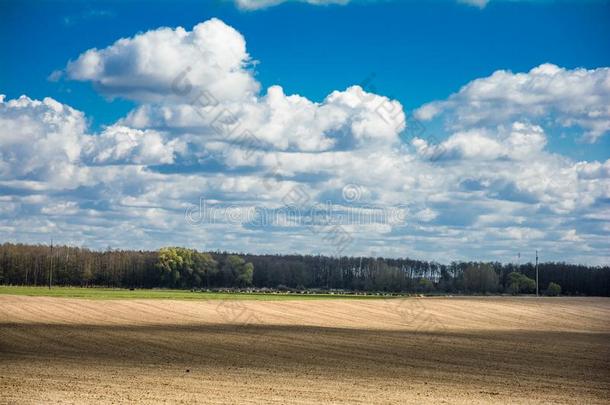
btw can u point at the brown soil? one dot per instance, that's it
(452, 350)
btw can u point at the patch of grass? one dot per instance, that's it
(117, 293)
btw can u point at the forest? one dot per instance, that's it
(176, 267)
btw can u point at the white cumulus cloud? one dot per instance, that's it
(123, 145)
(577, 97)
(155, 65)
(41, 140)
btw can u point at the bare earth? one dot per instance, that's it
(452, 350)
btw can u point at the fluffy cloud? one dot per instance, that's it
(577, 97)
(123, 145)
(41, 140)
(519, 142)
(347, 118)
(45, 143)
(154, 65)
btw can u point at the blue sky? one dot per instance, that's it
(419, 54)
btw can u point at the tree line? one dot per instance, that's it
(175, 267)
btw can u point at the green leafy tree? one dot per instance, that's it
(237, 272)
(169, 263)
(520, 283)
(205, 267)
(182, 267)
(553, 289)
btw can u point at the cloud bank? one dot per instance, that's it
(204, 130)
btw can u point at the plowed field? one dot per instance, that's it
(413, 350)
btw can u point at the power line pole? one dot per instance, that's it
(537, 290)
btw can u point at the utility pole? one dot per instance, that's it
(537, 290)
(51, 267)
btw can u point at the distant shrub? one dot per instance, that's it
(553, 289)
(520, 283)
